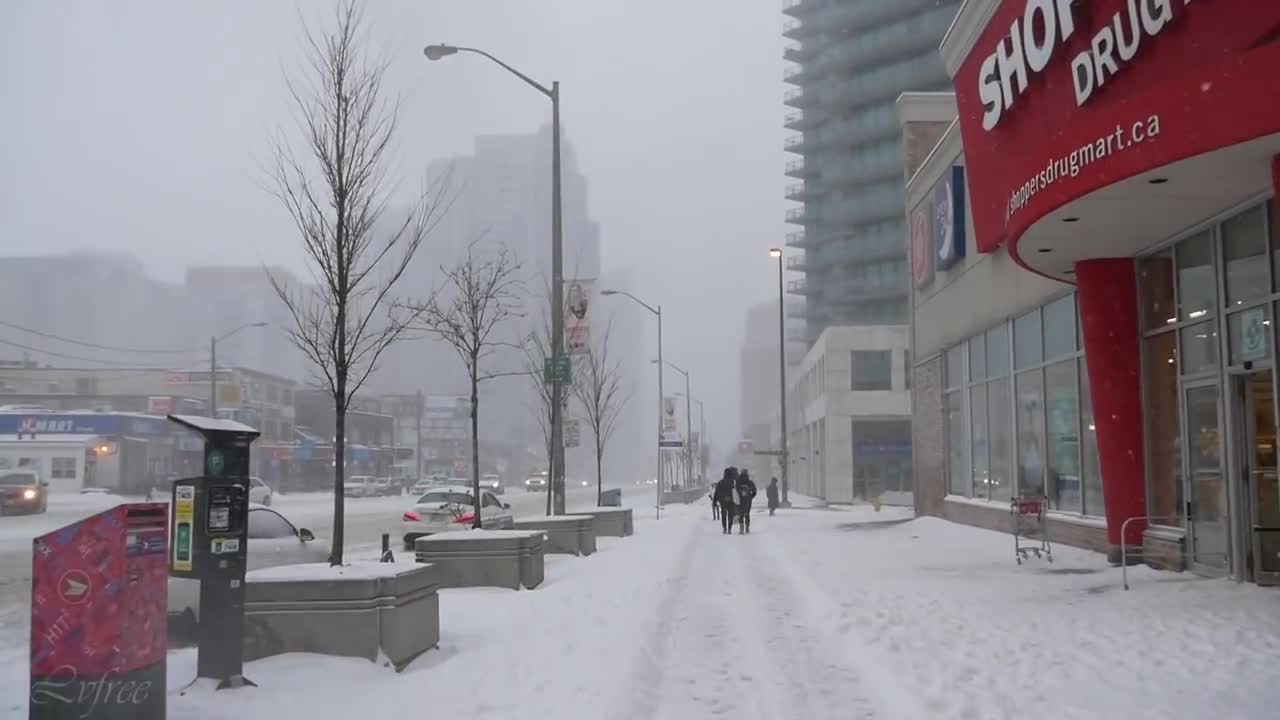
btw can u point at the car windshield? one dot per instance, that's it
(17, 479)
(445, 498)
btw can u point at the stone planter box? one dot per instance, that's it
(363, 610)
(565, 534)
(484, 558)
(610, 522)
(611, 498)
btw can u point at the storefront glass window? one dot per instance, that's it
(1062, 436)
(957, 446)
(1089, 452)
(1000, 431)
(1199, 348)
(1028, 341)
(1164, 459)
(1273, 217)
(978, 358)
(955, 367)
(1244, 249)
(998, 351)
(1249, 334)
(1060, 327)
(978, 425)
(1155, 282)
(1196, 288)
(1031, 436)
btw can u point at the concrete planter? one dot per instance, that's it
(611, 522)
(611, 498)
(484, 558)
(565, 534)
(363, 610)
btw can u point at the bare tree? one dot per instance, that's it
(537, 351)
(598, 388)
(481, 294)
(333, 182)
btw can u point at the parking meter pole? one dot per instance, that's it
(210, 531)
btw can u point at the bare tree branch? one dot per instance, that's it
(479, 295)
(598, 387)
(333, 184)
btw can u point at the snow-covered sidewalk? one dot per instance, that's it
(847, 614)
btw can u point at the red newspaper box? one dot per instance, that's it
(99, 617)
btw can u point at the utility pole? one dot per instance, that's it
(557, 306)
(419, 453)
(213, 376)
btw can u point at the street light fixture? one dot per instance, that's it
(688, 421)
(437, 52)
(658, 312)
(782, 374)
(213, 363)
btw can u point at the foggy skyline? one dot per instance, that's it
(144, 127)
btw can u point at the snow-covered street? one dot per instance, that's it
(819, 613)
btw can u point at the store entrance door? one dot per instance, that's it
(1209, 521)
(1258, 485)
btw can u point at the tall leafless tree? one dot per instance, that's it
(598, 387)
(480, 293)
(333, 182)
(537, 351)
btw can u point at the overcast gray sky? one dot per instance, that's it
(142, 125)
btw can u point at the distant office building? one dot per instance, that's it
(852, 60)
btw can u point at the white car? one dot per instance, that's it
(259, 492)
(448, 509)
(358, 486)
(273, 541)
(492, 483)
(536, 483)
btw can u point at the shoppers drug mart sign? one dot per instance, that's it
(1045, 26)
(1107, 90)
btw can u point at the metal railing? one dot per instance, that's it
(1124, 546)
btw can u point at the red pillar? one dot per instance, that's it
(1108, 297)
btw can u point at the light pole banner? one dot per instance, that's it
(579, 296)
(668, 415)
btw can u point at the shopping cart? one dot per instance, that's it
(1028, 515)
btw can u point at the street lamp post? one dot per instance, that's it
(213, 363)
(702, 438)
(436, 52)
(688, 423)
(658, 312)
(782, 375)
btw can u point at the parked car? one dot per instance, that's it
(449, 509)
(273, 540)
(493, 483)
(259, 492)
(535, 483)
(23, 492)
(384, 486)
(422, 486)
(358, 486)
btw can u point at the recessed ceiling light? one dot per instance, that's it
(1045, 250)
(1070, 219)
(1158, 181)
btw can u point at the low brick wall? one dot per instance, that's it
(1062, 530)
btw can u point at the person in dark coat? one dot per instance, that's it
(715, 507)
(771, 493)
(746, 493)
(724, 493)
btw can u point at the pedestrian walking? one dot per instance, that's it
(715, 507)
(771, 494)
(746, 493)
(725, 490)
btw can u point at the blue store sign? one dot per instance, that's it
(37, 424)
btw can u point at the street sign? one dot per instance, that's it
(558, 370)
(572, 433)
(579, 297)
(1253, 334)
(670, 443)
(99, 608)
(668, 414)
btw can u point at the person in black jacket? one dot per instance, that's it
(771, 493)
(746, 493)
(724, 498)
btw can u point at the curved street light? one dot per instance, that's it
(441, 51)
(658, 312)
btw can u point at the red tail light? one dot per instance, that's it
(411, 517)
(465, 519)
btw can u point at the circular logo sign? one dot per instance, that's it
(74, 587)
(215, 463)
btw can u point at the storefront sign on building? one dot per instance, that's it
(1059, 98)
(921, 246)
(1253, 334)
(946, 205)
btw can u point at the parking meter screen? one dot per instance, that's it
(219, 518)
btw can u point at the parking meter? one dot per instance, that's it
(209, 528)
